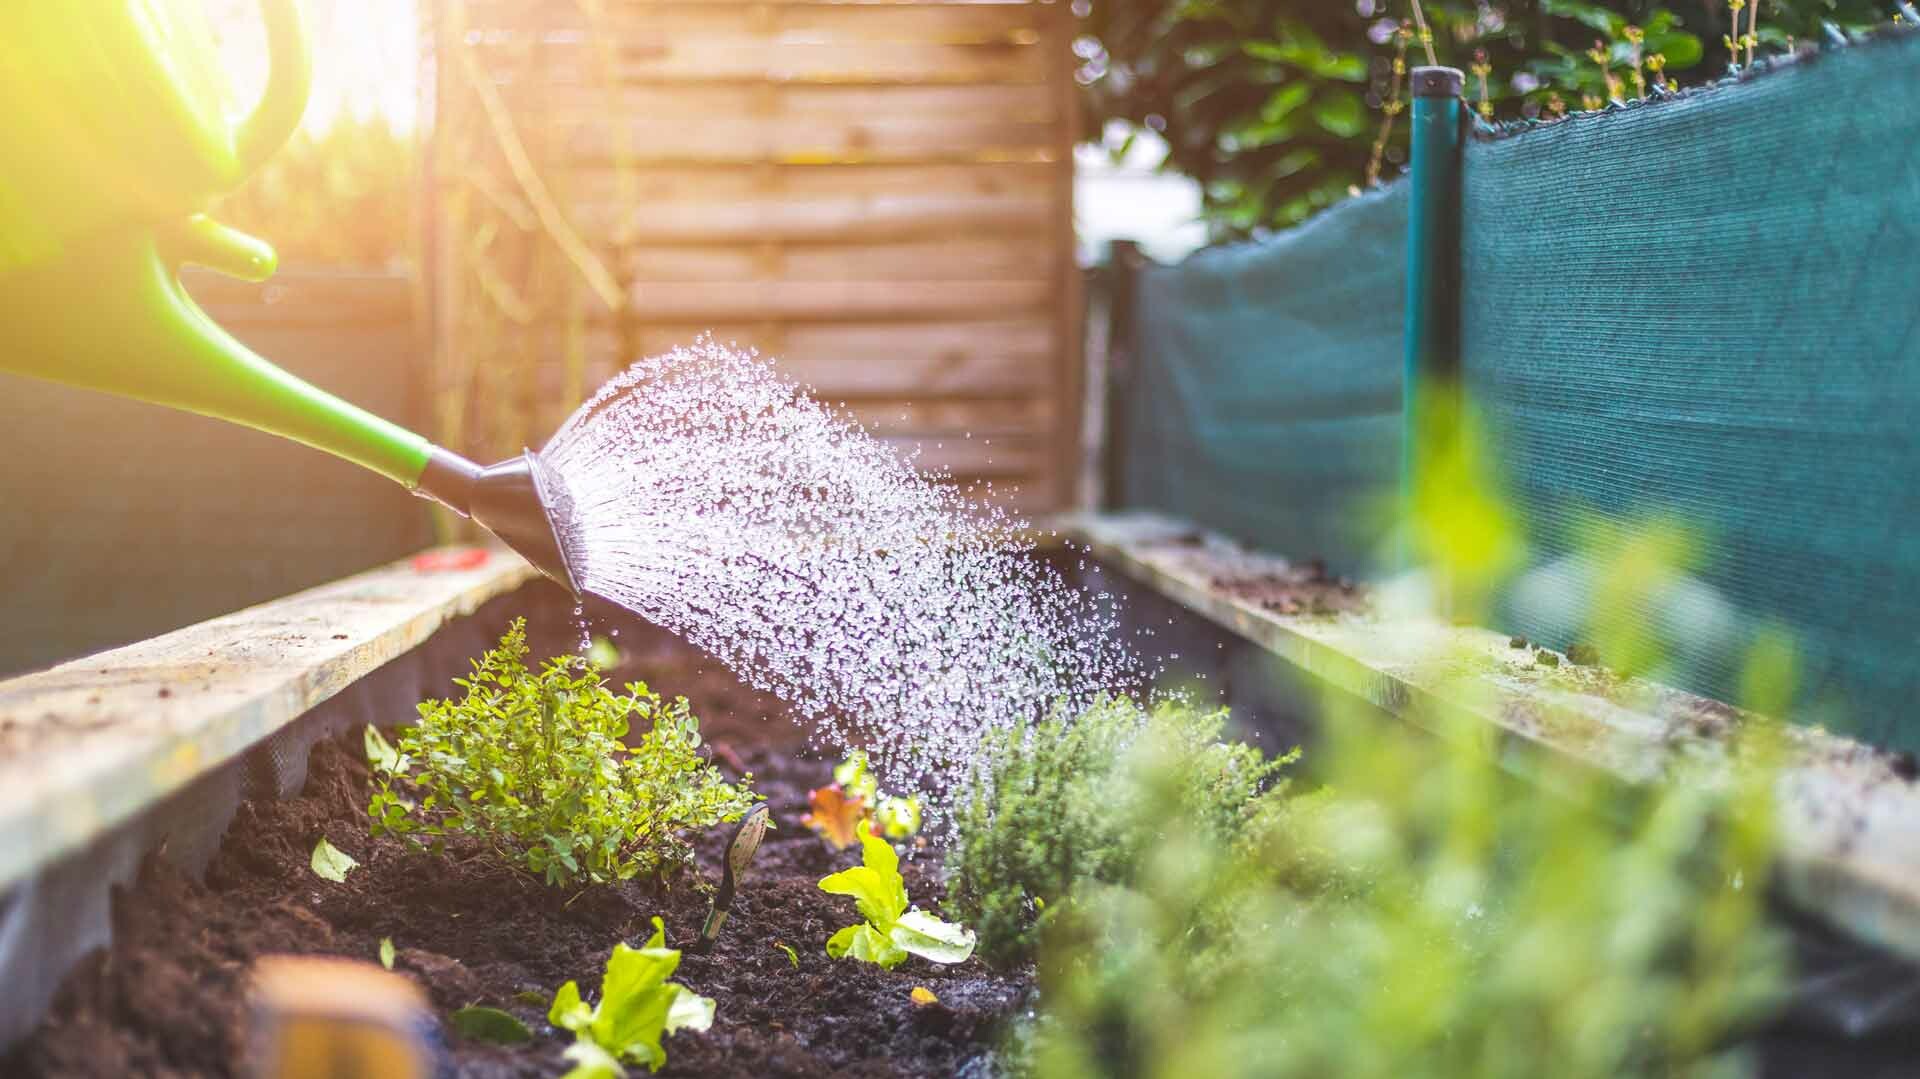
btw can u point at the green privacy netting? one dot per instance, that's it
(1265, 400)
(1703, 311)
(1697, 314)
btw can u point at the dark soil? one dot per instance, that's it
(169, 998)
(1306, 588)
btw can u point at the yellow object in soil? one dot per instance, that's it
(325, 1018)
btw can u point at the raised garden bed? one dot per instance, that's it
(170, 996)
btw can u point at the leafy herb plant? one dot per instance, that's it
(535, 764)
(638, 1007)
(892, 931)
(1056, 807)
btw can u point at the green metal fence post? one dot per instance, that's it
(1124, 262)
(1429, 389)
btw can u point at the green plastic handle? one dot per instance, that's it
(111, 142)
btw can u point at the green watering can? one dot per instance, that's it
(113, 139)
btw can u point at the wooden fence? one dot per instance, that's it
(876, 194)
(125, 520)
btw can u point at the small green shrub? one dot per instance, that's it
(535, 764)
(1424, 916)
(1053, 807)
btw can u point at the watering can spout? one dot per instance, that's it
(520, 500)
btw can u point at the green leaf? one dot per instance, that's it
(867, 944)
(876, 886)
(568, 1011)
(331, 863)
(490, 1025)
(1592, 16)
(689, 1011)
(380, 752)
(1682, 50)
(637, 1007)
(930, 938)
(386, 952)
(1341, 113)
(592, 1062)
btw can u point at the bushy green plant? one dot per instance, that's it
(1052, 807)
(1278, 108)
(536, 765)
(1424, 916)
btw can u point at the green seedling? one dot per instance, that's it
(387, 952)
(331, 863)
(537, 766)
(638, 1007)
(483, 1024)
(792, 956)
(892, 931)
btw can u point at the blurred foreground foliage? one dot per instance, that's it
(1276, 106)
(343, 197)
(1420, 915)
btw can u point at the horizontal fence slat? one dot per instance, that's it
(846, 218)
(921, 360)
(837, 301)
(923, 417)
(789, 24)
(965, 259)
(809, 124)
(751, 59)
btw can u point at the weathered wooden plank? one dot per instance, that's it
(782, 24)
(965, 258)
(838, 301)
(738, 137)
(924, 417)
(94, 742)
(1849, 822)
(997, 358)
(796, 182)
(846, 218)
(754, 59)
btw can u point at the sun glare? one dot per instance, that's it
(364, 57)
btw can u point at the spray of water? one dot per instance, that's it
(716, 499)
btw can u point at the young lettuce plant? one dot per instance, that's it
(892, 931)
(638, 1007)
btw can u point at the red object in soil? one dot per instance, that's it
(449, 560)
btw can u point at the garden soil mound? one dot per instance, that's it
(169, 997)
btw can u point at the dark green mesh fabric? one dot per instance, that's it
(1704, 310)
(1263, 399)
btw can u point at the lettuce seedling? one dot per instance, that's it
(638, 1007)
(892, 931)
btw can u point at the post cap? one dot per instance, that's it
(1438, 81)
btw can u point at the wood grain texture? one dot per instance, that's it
(876, 194)
(90, 744)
